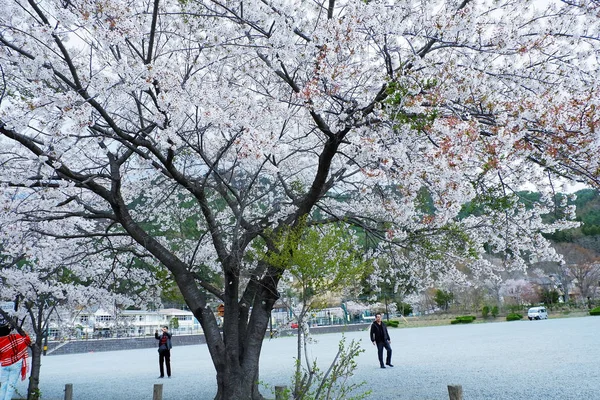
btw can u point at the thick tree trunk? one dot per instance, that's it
(238, 372)
(236, 351)
(236, 358)
(233, 383)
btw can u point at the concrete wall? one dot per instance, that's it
(93, 345)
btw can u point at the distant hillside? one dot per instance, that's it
(588, 212)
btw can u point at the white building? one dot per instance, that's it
(127, 323)
(186, 322)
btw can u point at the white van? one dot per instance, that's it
(537, 313)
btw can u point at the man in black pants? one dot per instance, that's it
(381, 338)
(164, 350)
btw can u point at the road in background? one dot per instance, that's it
(520, 360)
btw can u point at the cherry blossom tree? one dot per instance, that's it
(48, 285)
(586, 277)
(518, 292)
(190, 131)
(573, 269)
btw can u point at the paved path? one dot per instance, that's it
(521, 360)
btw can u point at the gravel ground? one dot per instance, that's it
(521, 360)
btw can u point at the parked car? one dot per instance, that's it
(537, 313)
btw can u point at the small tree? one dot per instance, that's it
(36, 307)
(322, 260)
(333, 383)
(549, 297)
(495, 311)
(443, 299)
(485, 311)
(47, 286)
(405, 308)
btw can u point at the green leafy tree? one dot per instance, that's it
(485, 311)
(321, 260)
(495, 311)
(404, 308)
(549, 296)
(443, 298)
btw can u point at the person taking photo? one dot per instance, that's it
(164, 350)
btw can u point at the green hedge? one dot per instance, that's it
(513, 317)
(392, 323)
(465, 319)
(595, 311)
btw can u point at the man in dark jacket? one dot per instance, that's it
(381, 338)
(164, 350)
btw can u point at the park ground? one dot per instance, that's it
(519, 360)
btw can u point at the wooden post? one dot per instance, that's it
(157, 395)
(69, 391)
(280, 392)
(455, 392)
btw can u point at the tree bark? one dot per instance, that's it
(236, 351)
(33, 391)
(232, 383)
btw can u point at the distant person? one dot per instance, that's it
(13, 356)
(164, 350)
(381, 338)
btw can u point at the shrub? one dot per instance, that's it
(314, 383)
(485, 311)
(392, 323)
(466, 319)
(513, 317)
(495, 311)
(595, 311)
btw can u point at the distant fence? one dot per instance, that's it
(98, 345)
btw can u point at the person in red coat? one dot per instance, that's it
(13, 360)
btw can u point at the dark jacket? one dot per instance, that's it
(159, 337)
(379, 333)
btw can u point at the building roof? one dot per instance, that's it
(175, 311)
